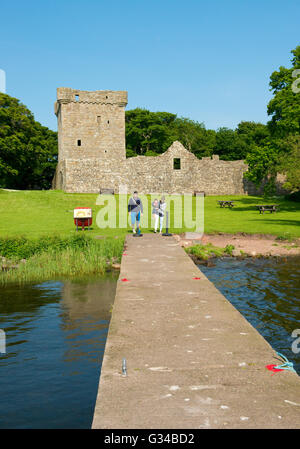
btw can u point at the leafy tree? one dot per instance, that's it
(148, 131)
(278, 151)
(284, 107)
(252, 133)
(289, 164)
(229, 145)
(194, 137)
(262, 163)
(188, 132)
(28, 150)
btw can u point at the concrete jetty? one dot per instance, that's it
(193, 361)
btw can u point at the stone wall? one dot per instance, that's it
(211, 175)
(149, 174)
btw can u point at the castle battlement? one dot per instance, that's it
(67, 95)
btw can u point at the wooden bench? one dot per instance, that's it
(226, 203)
(107, 192)
(267, 207)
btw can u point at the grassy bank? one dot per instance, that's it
(205, 252)
(56, 257)
(38, 213)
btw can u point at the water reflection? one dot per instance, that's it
(55, 333)
(267, 293)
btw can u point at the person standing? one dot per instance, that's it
(161, 212)
(155, 213)
(135, 210)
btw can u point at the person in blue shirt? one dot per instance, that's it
(135, 210)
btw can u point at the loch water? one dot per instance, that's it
(55, 340)
(266, 291)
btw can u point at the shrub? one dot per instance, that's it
(228, 249)
(294, 196)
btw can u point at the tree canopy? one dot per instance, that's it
(278, 151)
(151, 133)
(289, 164)
(284, 107)
(28, 150)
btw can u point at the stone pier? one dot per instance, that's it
(193, 361)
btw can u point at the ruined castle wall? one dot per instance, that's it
(91, 141)
(154, 174)
(157, 174)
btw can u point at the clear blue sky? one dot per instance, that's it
(206, 60)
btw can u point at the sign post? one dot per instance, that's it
(83, 217)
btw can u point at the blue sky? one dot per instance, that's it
(206, 60)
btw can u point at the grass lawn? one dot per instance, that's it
(37, 213)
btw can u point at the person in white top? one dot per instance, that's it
(161, 212)
(155, 213)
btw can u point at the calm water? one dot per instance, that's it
(55, 335)
(267, 293)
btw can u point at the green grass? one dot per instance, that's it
(70, 257)
(16, 248)
(245, 217)
(38, 213)
(204, 252)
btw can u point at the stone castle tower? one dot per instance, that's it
(92, 155)
(91, 134)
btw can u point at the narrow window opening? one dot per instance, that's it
(176, 163)
(108, 122)
(79, 143)
(99, 119)
(76, 97)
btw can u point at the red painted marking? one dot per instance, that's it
(196, 278)
(273, 369)
(125, 280)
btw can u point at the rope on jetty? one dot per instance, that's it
(287, 365)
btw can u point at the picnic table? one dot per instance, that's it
(226, 203)
(267, 207)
